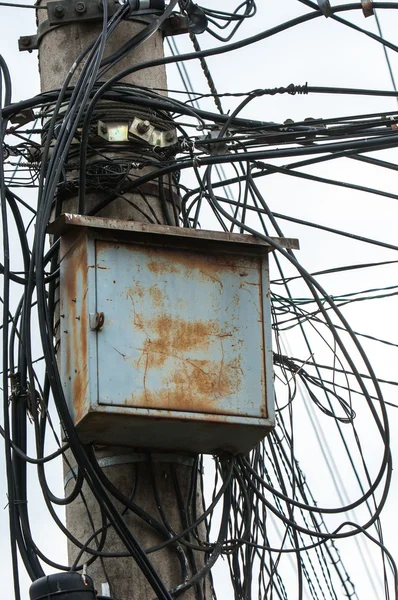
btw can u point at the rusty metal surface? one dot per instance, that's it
(183, 330)
(179, 234)
(75, 331)
(172, 431)
(186, 338)
(367, 8)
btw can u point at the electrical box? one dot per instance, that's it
(165, 335)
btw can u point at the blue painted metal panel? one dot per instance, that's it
(183, 331)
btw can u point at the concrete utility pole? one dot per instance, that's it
(125, 467)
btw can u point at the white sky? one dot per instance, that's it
(322, 53)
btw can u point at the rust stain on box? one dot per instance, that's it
(194, 385)
(190, 382)
(173, 336)
(156, 295)
(177, 262)
(185, 364)
(75, 281)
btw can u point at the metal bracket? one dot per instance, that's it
(30, 42)
(176, 24)
(144, 130)
(64, 12)
(8, 151)
(138, 128)
(22, 118)
(113, 132)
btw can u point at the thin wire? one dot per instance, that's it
(386, 53)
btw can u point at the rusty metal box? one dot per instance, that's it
(165, 335)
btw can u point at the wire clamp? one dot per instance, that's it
(325, 7)
(196, 16)
(144, 130)
(367, 8)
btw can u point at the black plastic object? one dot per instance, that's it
(325, 7)
(63, 586)
(197, 18)
(158, 5)
(136, 5)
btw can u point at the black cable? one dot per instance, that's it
(256, 498)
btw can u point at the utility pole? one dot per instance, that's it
(126, 468)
